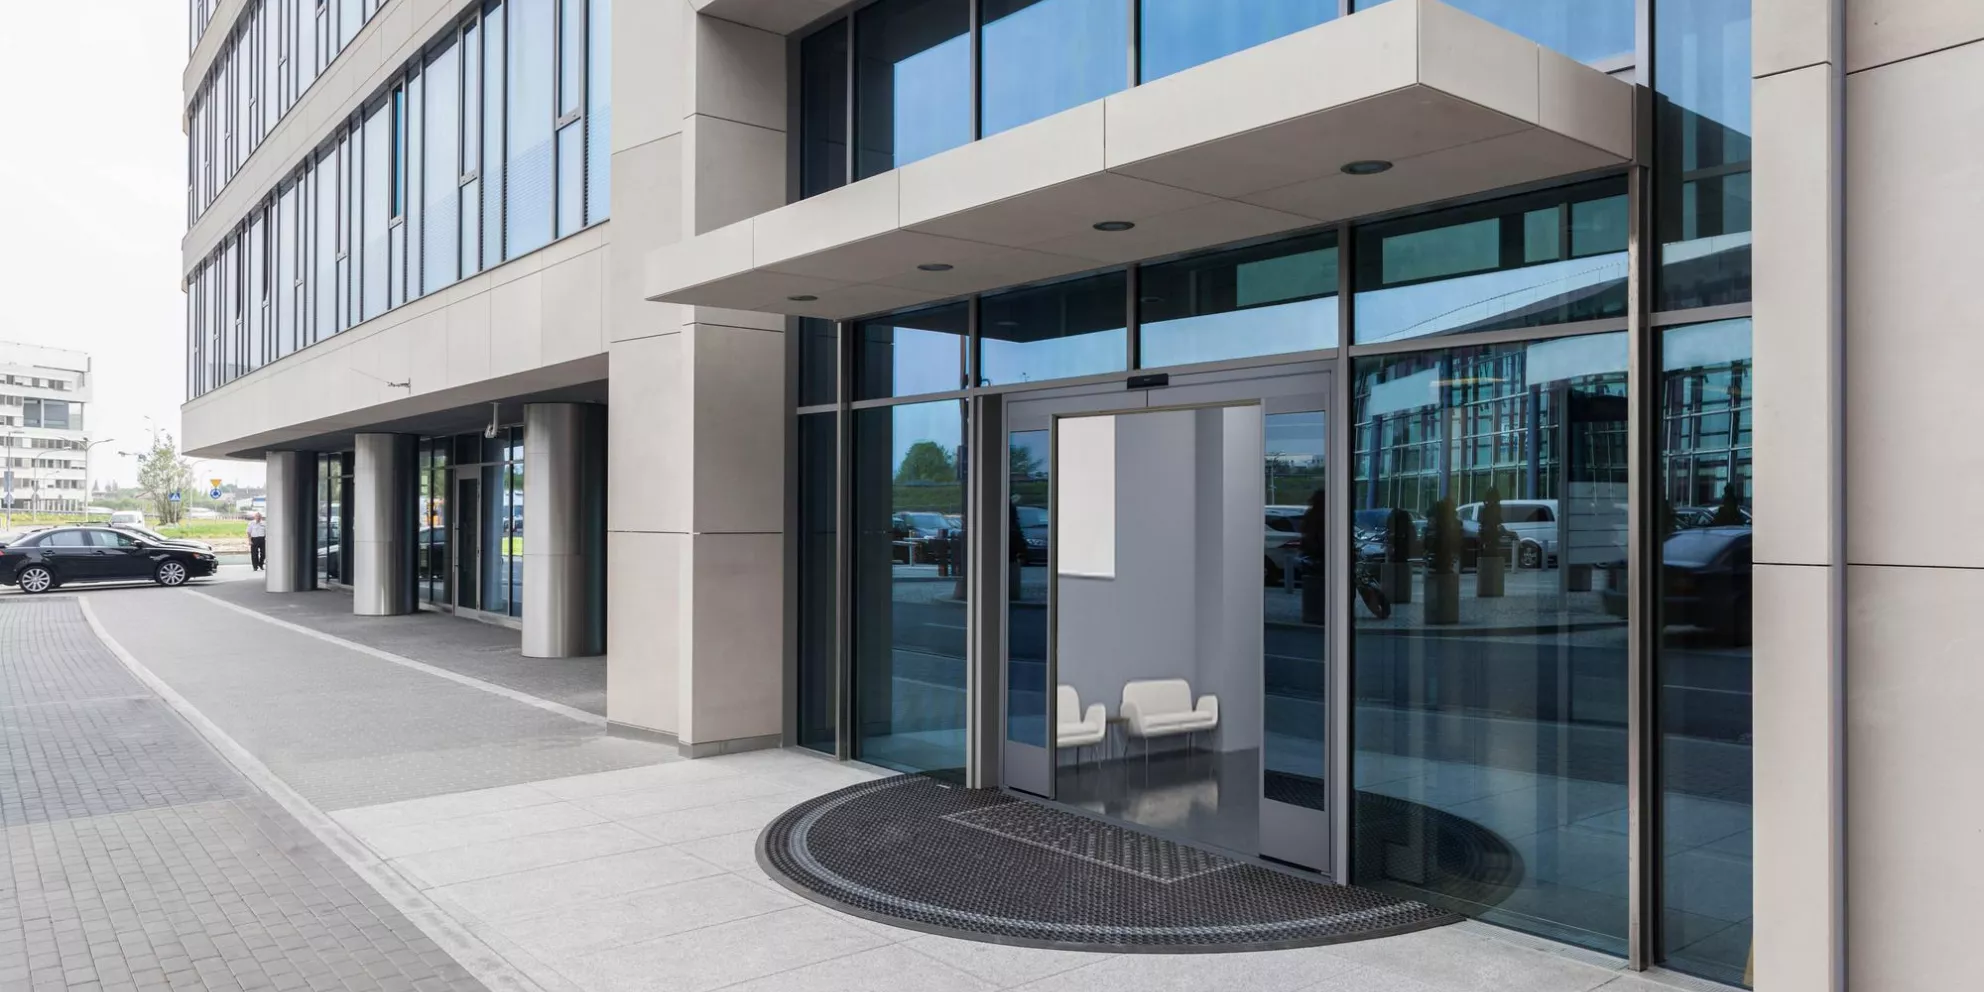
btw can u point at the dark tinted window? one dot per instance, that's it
(823, 109)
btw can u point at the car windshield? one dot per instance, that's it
(1032, 516)
(1699, 547)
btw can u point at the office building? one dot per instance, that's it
(898, 380)
(43, 395)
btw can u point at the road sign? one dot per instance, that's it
(214, 483)
(174, 497)
(213, 493)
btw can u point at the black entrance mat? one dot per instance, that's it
(980, 864)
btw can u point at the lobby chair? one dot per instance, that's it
(1164, 708)
(1088, 731)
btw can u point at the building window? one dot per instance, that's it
(1533, 434)
(1527, 261)
(1178, 34)
(1596, 31)
(1701, 78)
(912, 82)
(909, 354)
(818, 584)
(1266, 300)
(1066, 329)
(823, 109)
(1706, 788)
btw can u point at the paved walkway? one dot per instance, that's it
(402, 791)
(136, 858)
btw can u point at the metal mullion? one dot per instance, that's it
(843, 708)
(1135, 54)
(1341, 449)
(1643, 624)
(1698, 315)
(849, 159)
(973, 37)
(1132, 317)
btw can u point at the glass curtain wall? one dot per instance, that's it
(333, 516)
(275, 51)
(1488, 483)
(908, 587)
(491, 144)
(433, 570)
(1512, 749)
(1705, 784)
(913, 92)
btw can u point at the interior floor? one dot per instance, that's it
(1212, 797)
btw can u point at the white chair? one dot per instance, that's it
(1088, 731)
(1164, 708)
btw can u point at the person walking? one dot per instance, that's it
(258, 542)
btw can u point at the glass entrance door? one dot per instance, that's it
(467, 539)
(1167, 639)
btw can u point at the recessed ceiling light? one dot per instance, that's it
(1113, 226)
(936, 267)
(1366, 167)
(802, 299)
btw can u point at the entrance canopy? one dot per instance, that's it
(1409, 102)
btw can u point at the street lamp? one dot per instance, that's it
(88, 494)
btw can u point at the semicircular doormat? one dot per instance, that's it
(983, 865)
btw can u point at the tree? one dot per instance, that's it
(927, 461)
(1023, 465)
(161, 472)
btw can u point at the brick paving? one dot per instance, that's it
(135, 858)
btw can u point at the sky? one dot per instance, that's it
(93, 163)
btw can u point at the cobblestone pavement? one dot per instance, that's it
(133, 857)
(481, 650)
(344, 728)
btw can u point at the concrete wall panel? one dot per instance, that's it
(1882, 31)
(1915, 202)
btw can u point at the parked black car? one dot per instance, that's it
(51, 558)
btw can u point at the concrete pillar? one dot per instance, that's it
(698, 405)
(291, 519)
(565, 543)
(382, 524)
(1798, 881)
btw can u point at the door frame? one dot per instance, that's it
(1316, 838)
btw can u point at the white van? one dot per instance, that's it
(133, 517)
(1533, 521)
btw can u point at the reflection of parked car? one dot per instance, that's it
(918, 533)
(1283, 541)
(1707, 581)
(1470, 542)
(1533, 522)
(1373, 524)
(157, 538)
(1704, 516)
(1033, 528)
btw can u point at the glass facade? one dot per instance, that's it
(912, 81)
(1701, 76)
(1269, 300)
(1706, 787)
(333, 518)
(449, 171)
(1528, 261)
(1490, 494)
(1173, 35)
(913, 93)
(908, 586)
(276, 50)
(1487, 484)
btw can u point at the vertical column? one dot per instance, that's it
(1914, 166)
(382, 525)
(565, 548)
(1798, 553)
(699, 408)
(292, 499)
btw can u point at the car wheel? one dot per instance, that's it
(170, 573)
(36, 578)
(1530, 555)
